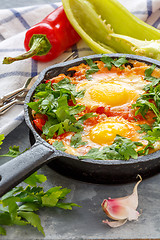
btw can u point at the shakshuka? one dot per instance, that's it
(106, 109)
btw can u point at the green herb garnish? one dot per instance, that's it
(20, 205)
(109, 62)
(59, 145)
(121, 149)
(54, 104)
(150, 101)
(13, 152)
(1, 139)
(148, 72)
(93, 68)
(76, 140)
(86, 116)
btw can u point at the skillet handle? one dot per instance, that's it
(19, 168)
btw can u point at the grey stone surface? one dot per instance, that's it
(84, 222)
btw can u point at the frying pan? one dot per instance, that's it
(95, 171)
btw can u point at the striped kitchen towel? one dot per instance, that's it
(13, 25)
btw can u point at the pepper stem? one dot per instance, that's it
(39, 45)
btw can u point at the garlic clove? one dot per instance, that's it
(122, 209)
(115, 224)
(119, 211)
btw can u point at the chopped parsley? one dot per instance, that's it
(13, 152)
(150, 101)
(86, 116)
(54, 103)
(93, 68)
(121, 149)
(20, 205)
(76, 140)
(148, 72)
(152, 132)
(52, 99)
(59, 146)
(1, 139)
(109, 62)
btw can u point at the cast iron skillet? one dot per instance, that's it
(97, 171)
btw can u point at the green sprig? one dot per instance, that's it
(19, 206)
(121, 149)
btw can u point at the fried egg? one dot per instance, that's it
(110, 95)
(104, 133)
(110, 91)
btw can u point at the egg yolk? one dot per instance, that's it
(112, 94)
(105, 133)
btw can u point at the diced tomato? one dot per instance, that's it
(57, 79)
(100, 110)
(39, 115)
(63, 135)
(50, 80)
(70, 102)
(39, 123)
(91, 121)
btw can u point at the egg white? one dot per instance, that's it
(113, 90)
(110, 90)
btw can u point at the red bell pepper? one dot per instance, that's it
(39, 123)
(48, 39)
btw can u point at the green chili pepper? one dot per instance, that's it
(84, 19)
(122, 21)
(107, 27)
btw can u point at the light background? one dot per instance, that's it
(22, 3)
(84, 223)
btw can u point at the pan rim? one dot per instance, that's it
(131, 161)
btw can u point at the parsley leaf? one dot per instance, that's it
(33, 219)
(149, 101)
(119, 62)
(145, 150)
(66, 84)
(127, 148)
(18, 206)
(144, 128)
(149, 87)
(86, 116)
(13, 152)
(143, 107)
(1, 139)
(35, 178)
(80, 94)
(2, 230)
(109, 62)
(59, 145)
(149, 71)
(154, 81)
(66, 205)
(152, 133)
(76, 140)
(121, 149)
(93, 68)
(54, 104)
